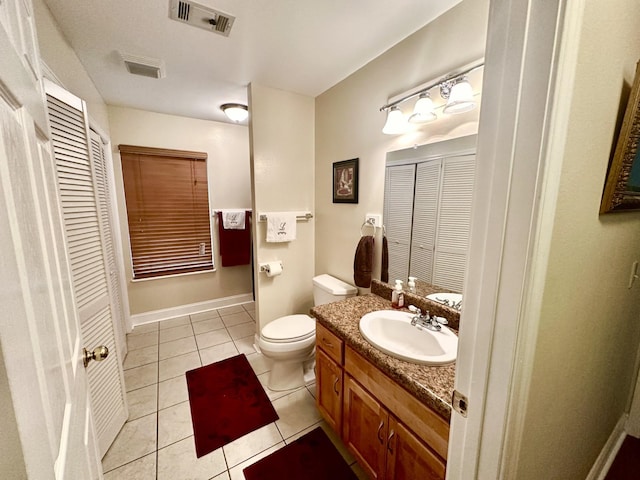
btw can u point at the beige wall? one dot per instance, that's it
(588, 338)
(63, 61)
(349, 125)
(227, 146)
(12, 459)
(282, 153)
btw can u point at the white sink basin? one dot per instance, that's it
(391, 331)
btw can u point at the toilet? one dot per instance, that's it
(290, 341)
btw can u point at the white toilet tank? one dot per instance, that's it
(327, 289)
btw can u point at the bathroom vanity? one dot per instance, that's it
(392, 415)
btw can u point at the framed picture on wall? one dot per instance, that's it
(622, 187)
(345, 181)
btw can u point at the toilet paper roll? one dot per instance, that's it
(274, 269)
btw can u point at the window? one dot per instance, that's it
(168, 210)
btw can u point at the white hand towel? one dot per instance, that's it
(281, 227)
(233, 219)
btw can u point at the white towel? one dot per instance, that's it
(233, 219)
(281, 227)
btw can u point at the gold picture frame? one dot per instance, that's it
(622, 187)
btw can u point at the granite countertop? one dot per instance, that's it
(432, 385)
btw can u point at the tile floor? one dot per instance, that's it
(157, 442)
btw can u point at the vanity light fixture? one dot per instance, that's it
(235, 111)
(454, 88)
(396, 122)
(423, 110)
(460, 97)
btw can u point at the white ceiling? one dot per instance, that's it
(302, 46)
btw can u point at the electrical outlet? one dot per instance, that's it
(374, 219)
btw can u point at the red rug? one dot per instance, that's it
(227, 402)
(312, 457)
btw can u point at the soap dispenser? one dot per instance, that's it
(412, 284)
(397, 296)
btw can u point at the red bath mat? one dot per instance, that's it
(227, 402)
(312, 457)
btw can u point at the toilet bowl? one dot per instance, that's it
(289, 341)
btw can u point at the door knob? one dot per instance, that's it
(98, 354)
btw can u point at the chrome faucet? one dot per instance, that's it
(430, 322)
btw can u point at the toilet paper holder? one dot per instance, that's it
(266, 267)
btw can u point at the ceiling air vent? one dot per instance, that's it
(202, 17)
(145, 66)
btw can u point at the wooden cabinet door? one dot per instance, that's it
(408, 458)
(365, 428)
(330, 344)
(329, 390)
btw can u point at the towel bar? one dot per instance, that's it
(305, 216)
(215, 212)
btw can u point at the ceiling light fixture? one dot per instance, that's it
(235, 111)
(454, 88)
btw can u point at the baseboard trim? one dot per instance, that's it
(609, 451)
(167, 313)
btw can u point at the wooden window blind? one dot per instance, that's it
(168, 210)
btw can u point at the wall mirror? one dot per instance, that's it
(427, 211)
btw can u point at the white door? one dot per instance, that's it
(528, 80)
(398, 195)
(82, 188)
(454, 222)
(104, 188)
(425, 220)
(39, 330)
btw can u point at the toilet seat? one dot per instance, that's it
(290, 328)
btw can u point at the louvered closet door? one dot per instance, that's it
(452, 240)
(81, 211)
(425, 217)
(103, 190)
(398, 195)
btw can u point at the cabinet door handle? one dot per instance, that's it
(327, 343)
(380, 431)
(335, 384)
(389, 447)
